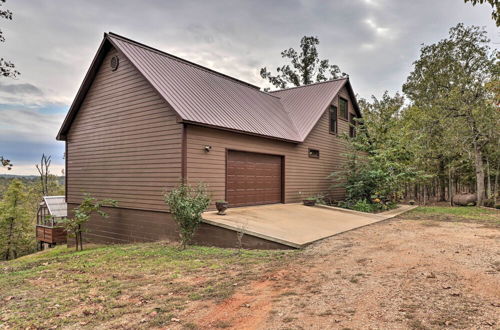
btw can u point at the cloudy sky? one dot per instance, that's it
(53, 42)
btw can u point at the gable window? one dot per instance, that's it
(313, 153)
(352, 125)
(343, 108)
(333, 119)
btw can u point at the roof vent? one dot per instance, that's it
(115, 61)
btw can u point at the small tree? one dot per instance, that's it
(186, 204)
(43, 169)
(306, 67)
(75, 225)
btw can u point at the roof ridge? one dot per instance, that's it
(308, 85)
(199, 66)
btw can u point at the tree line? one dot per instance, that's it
(439, 138)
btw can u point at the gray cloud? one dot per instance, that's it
(22, 89)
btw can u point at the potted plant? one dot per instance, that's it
(309, 201)
(221, 206)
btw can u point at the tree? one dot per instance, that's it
(7, 68)
(380, 164)
(43, 169)
(186, 204)
(305, 68)
(449, 85)
(6, 163)
(82, 213)
(495, 4)
(15, 222)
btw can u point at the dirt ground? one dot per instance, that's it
(397, 274)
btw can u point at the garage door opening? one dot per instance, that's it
(253, 178)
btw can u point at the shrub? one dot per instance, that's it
(186, 204)
(489, 203)
(364, 206)
(89, 205)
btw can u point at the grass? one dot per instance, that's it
(153, 282)
(471, 214)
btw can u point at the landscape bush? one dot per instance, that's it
(186, 204)
(81, 215)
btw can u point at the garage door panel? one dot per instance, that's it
(253, 178)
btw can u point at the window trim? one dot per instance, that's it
(311, 150)
(346, 118)
(336, 128)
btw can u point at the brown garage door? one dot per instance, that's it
(253, 178)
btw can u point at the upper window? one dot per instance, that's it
(343, 108)
(333, 119)
(313, 153)
(352, 125)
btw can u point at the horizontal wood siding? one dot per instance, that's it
(304, 176)
(125, 142)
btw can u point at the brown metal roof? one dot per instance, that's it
(206, 97)
(306, 104)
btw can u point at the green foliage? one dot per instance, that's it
(305, 67)
(453, 115)
(5, 163)
(81, 215)
(495, 4)
(186, 204)
(379, 162)
(7, 68)
(16, 222)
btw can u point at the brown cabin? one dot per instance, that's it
(50, 212)
(144, 119)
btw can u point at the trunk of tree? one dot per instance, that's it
(488, 179)
(441, 180)
(495, 188)
(450, 186)
(478, 162)
(9, 240)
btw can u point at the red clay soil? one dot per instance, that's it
(395, 274)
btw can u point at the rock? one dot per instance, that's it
(430, 275)
(173, 319)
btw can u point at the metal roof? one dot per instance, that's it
(306, 104)
(57, 206)
(205, 97)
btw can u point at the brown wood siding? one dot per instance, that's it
(304, 176)
(125, 142)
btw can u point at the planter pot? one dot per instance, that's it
(309, 202)
(221, 207)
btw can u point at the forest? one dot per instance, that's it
(19, 200)
(440, 137)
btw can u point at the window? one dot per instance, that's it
(352, 125)
(333, 119)
(313, 153)
(343, 108)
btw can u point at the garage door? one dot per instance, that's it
(253, 178)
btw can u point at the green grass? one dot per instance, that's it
(455, 214)
(60, 287)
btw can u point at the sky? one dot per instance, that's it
(53, 42)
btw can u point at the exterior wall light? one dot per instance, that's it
(208, 148)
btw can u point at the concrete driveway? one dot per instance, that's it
(296, 225)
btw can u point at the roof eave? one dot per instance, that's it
(242, 132)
